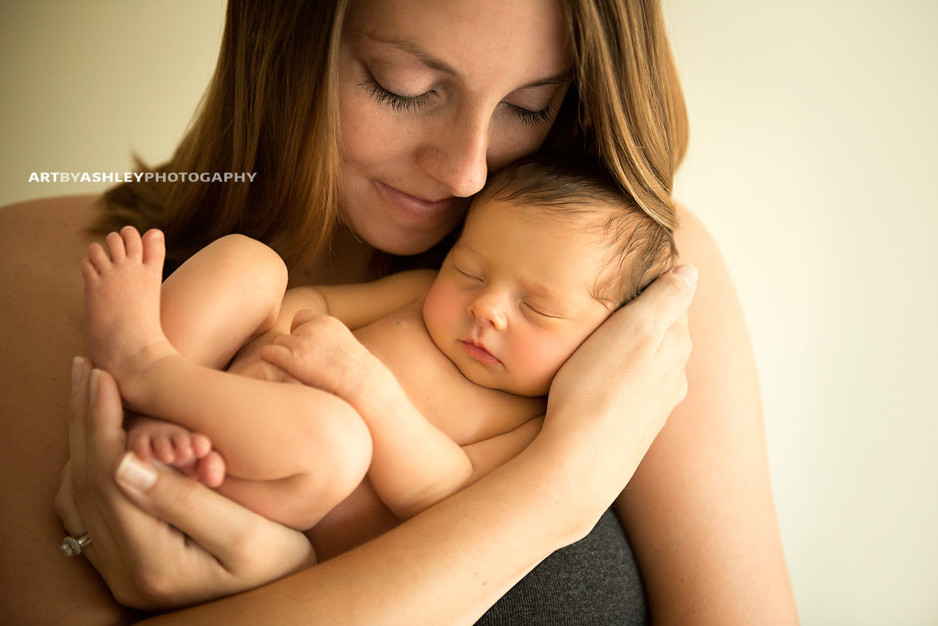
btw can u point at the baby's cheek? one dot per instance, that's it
(442, 308)
(537, 361)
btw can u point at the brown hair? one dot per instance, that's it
(630, 109)
(271, 108)
(582, 194)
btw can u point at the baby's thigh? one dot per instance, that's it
(222, 297)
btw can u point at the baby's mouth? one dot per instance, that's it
(479, 352)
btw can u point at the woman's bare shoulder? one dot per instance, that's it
(37, 235)
(716, 297)
(694, 241)
(64, 216)
(42, 243)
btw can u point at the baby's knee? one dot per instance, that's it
(337, 456)
(251, 258)
(339, 449)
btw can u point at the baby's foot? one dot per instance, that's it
(122, 305)
(171, 444)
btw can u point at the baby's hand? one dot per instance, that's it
(321, 351)
(171, 444)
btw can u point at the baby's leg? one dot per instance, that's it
(217, 300)
(285, 434)
(224, 295)
(122, 306)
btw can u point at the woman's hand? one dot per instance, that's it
(622, 383)
(207, 547)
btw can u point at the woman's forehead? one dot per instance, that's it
(523, 41)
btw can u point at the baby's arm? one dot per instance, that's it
(414, 465)
(355, 305)
(360, 304)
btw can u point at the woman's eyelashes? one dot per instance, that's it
(401, 103)
(396, 101)
(543, 116)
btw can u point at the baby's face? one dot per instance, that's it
(512, 300)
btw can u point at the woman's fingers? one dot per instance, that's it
(634, 362)
(665, 301)
(138, 544)
(250, 547)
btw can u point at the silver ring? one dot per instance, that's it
(73, 547)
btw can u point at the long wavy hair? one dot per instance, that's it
(271, 108)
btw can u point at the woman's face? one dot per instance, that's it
(433, 95)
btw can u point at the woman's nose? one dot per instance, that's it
(489, 307)
(455, 154)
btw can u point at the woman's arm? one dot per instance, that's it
(454, 560)
(699, 510)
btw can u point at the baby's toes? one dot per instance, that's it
(163, 449)
(211, 469)
(183, 447)
(132, 243)
(141, 445)
(154, 247)
(201, 445)
(98, 258)
(115, 245)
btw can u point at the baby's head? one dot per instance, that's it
(548, 252)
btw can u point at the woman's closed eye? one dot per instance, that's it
(403, 103)
(396, 101)
(542, 116)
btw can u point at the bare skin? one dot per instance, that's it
(124, 283)
(46, 299)
(44, 295)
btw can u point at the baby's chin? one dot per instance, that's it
(504, 383)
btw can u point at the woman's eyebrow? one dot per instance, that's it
(557, 79)
(436, 64)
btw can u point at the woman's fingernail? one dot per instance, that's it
(78, 364)
(134, 474)
(93, 384)
(688, 273)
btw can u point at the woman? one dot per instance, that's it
(424, 98)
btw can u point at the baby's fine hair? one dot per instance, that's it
(640, 249)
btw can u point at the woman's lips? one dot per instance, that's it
(479, 353)
(417, 210)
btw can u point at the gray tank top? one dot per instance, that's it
(594, 581)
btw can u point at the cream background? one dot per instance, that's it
(812, 155)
